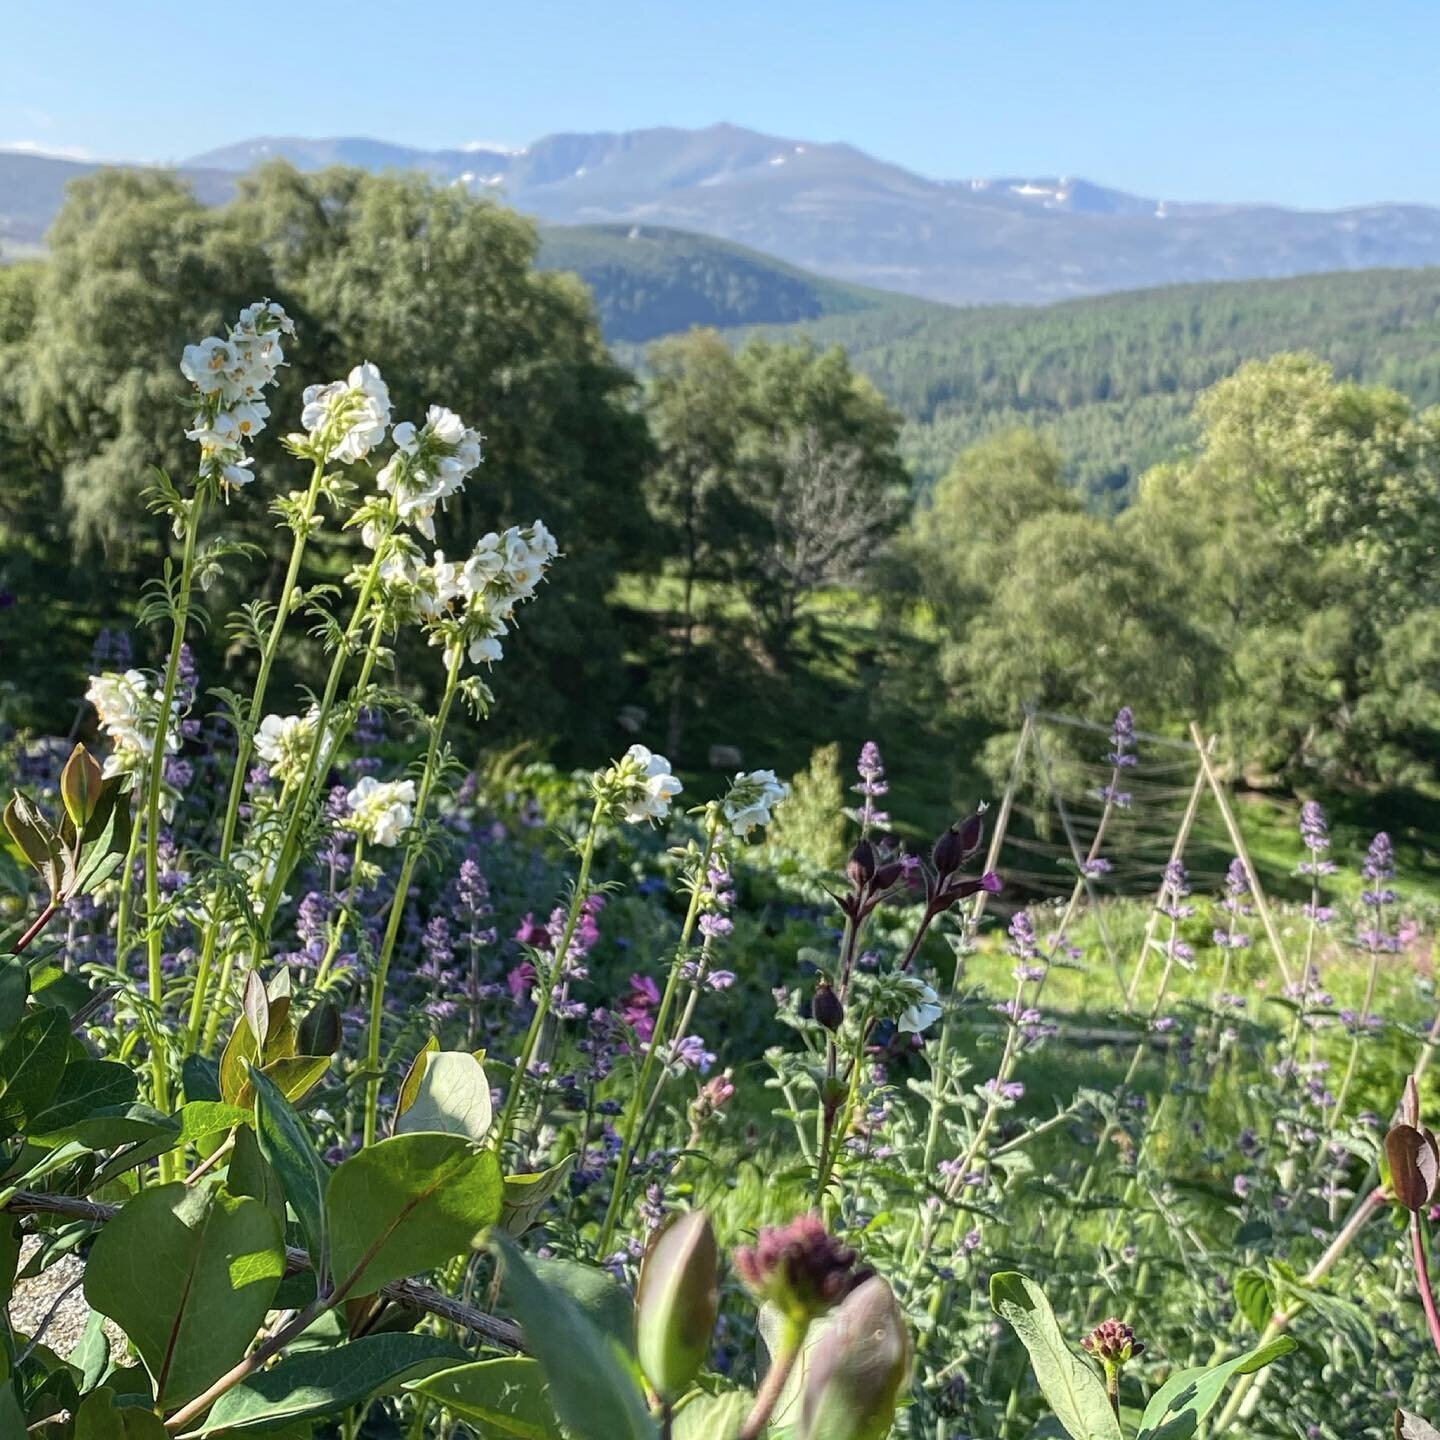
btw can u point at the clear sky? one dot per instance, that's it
(1303, 102)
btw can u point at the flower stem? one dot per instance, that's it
(545, 985)
(657, 1039)
(154, 931)
(773, 1386)
(402, 890)
(303, 791)
(245, 743)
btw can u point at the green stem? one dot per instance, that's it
(402, 890)
(545, 982)
(154, 931)
(773, 1386)
(245, 744)
(303, 794)
(657, 1039)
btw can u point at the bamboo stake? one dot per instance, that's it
(1095, 906)
(1238, 841)
(1177, 850)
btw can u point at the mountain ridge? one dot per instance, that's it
(843, 214)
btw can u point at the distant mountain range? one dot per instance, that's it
(834, 210)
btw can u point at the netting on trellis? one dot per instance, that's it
(1095, 812)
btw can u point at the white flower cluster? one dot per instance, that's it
(283, 743)
(381, 810)
(348, 418)
(231, 376)
(128, 708)
(751, 798)
(429, 466)
(469, 604)
(640, 785)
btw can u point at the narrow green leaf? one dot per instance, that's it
(502, 1397)
(188, 1274)
(589, 1379)
(406, 1205)
(1184, 1400)
(286, 1144)
(1075, 1392)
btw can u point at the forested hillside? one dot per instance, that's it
(650, 281)
(1114, 380)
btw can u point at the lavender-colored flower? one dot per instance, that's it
(872, 786)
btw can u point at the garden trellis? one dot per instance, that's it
(1069, 806)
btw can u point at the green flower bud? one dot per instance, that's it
(856, 1371)
(80, 783)
(677, 1303)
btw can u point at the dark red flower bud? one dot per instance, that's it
(888, 875)
(948, 855)
(1113, 1342)
(972, 832)
(861, 868)
(801, 1266)
(826, 1007)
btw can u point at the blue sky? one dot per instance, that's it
(1314, 103)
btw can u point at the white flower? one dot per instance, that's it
(751, 798)
(231, 376)
(381, 810)
(643, 784)
(127, 709)
(206, 365)
(429, 466)
(468, 606)
(284, 742)
(352, 415)
(922, 1014)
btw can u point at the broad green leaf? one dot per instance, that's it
(188, 1274)
(325, 1382)
(713, 1417)
(32, 1063)
(1255, 1297)
(248, 1172)
(91, 1355)
(14, 991)
(453, 1096)
(526, 1195)
(405, 1205)
(1184, 1400)
(112, 1126)
(202, 1120)
(101, 1417)
(601, 1298)
(85, 1087)
(589, 1378)
(294, 1075)
(1075, 1392)
(502, 1397)
(286, 1144)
